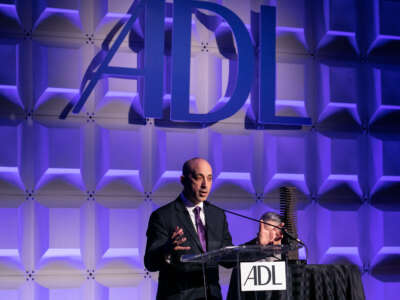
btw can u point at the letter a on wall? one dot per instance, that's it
(153, 59)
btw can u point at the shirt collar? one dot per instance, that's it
(188, 203)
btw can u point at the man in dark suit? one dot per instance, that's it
(188, 225)
(267, 235)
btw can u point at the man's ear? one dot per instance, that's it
(282, 224)
(183, 178)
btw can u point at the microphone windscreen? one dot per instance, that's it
(288, 211)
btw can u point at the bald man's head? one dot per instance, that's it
(196, 179)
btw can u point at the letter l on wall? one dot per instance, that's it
(267, 72)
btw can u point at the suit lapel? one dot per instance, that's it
(187, 224)
(208, 213)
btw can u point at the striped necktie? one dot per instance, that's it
(201, 229)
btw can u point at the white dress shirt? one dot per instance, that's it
(190, 206)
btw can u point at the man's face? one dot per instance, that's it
(275, 233)
(273, 222)
(197, 184)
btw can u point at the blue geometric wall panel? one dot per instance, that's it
(76, 193)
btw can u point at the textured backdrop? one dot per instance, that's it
(76, 194)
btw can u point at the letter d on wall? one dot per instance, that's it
(181, 62)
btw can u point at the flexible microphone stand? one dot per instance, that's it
(283, 230)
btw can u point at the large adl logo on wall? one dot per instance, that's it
(254, 61)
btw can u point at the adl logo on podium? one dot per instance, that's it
(263, 276)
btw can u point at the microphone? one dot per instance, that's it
(283, 230)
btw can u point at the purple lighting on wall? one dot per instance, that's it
(118, 176)
(288, 176)
(62, 171)
(120, 172)
(57, 252)
(350, 251)
(171, 174)
(9, 169)
(291, 103)
(69, 175)
(11, 93)
(233, 176)
(121, 252)
(76, 195)
(53, 13)
(9, 10)
(11, 253)
(389, 250)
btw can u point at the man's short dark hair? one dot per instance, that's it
(271, 216)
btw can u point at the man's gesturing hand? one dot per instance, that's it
(177, 239)
(269, 235)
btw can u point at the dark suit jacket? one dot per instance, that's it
(184, 281)
(261, 295)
